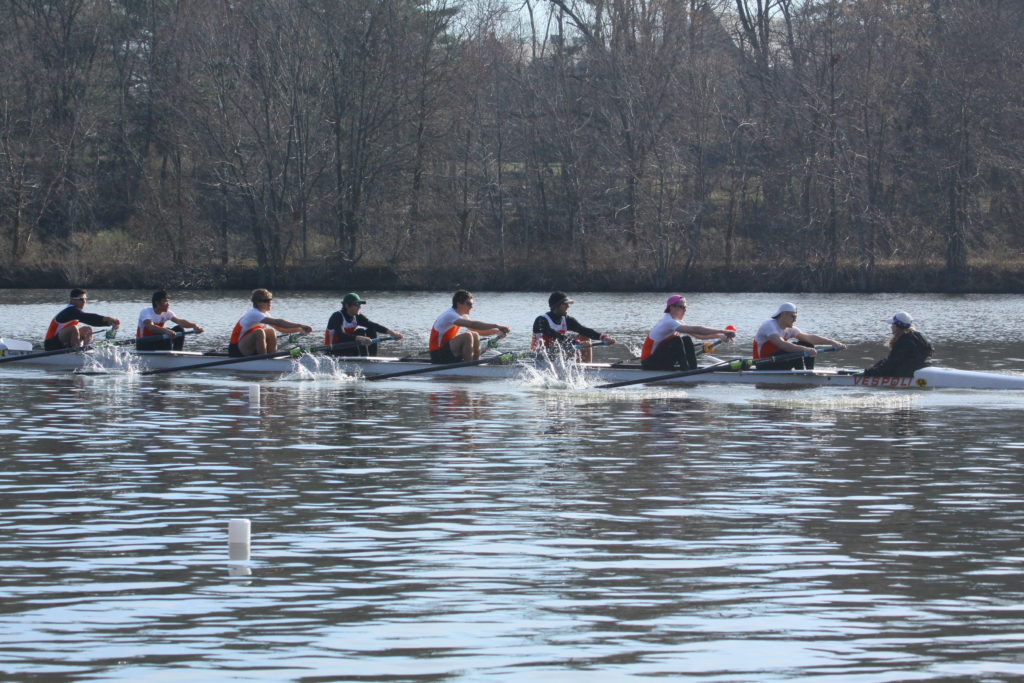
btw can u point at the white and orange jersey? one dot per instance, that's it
(158, 319)
(252, 320)
(540, 340)
(444, 329)
(662, 330)
(762, 346)
(55, 327)
(347, 327)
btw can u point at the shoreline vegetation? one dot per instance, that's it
(698, 145)
(983, 278)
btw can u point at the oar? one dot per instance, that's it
(296, 352)
(73, 349)
(710, 346)
(737, 364)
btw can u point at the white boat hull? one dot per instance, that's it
(938, 378)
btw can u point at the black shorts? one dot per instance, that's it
(52, 344)
(674, 353)
(161, 343)
(443, 355)
(806, 363)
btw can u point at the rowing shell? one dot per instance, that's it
(938, 378)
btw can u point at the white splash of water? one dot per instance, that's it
(312, 367)
(107, 359)
(558, 371)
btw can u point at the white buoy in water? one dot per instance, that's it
(239, 532)
(254, 395)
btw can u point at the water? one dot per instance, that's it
(524, 530)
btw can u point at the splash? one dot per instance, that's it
(311, 367)
(107, 359)
(554, 372)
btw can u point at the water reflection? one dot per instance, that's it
(504, 531)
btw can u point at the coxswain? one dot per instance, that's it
(349, 325)
(66, 332)
(669, 344)
(454, 337)
(151, 333)
(778, 335)
(556, 329)
(254, 332)
(909, 350)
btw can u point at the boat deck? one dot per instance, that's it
(597, 373)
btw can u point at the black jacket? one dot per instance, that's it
(338, 319)
(911, 352)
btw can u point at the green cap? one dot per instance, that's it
(352, 298)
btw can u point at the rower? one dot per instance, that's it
(349, 325)
(253, 333)
(669, 345)
(909, 350)
(64, 331)
(779, 335)
(151, 335)
(551, 331)
(449, 343)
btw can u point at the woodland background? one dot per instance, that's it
(828, 145)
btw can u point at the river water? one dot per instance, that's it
(435, 530)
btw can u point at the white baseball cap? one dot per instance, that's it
(902, 319)
(785, 307)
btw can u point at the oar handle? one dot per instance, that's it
(592, 343)
(710, 346)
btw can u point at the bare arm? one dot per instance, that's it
(187, 324)
(815, 339)
(701, 332)
(286, 326)
(482, 327)
(783, 345)
(157, 330)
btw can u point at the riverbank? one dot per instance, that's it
(982, 278)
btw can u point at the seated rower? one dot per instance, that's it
(551, 330)
(254, 332)
(909, 350)
(64, 331)
(774, 338)
(349, 325)
(454, 337)
(151, 335)
(666, 347)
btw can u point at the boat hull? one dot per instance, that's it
(593, 372)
